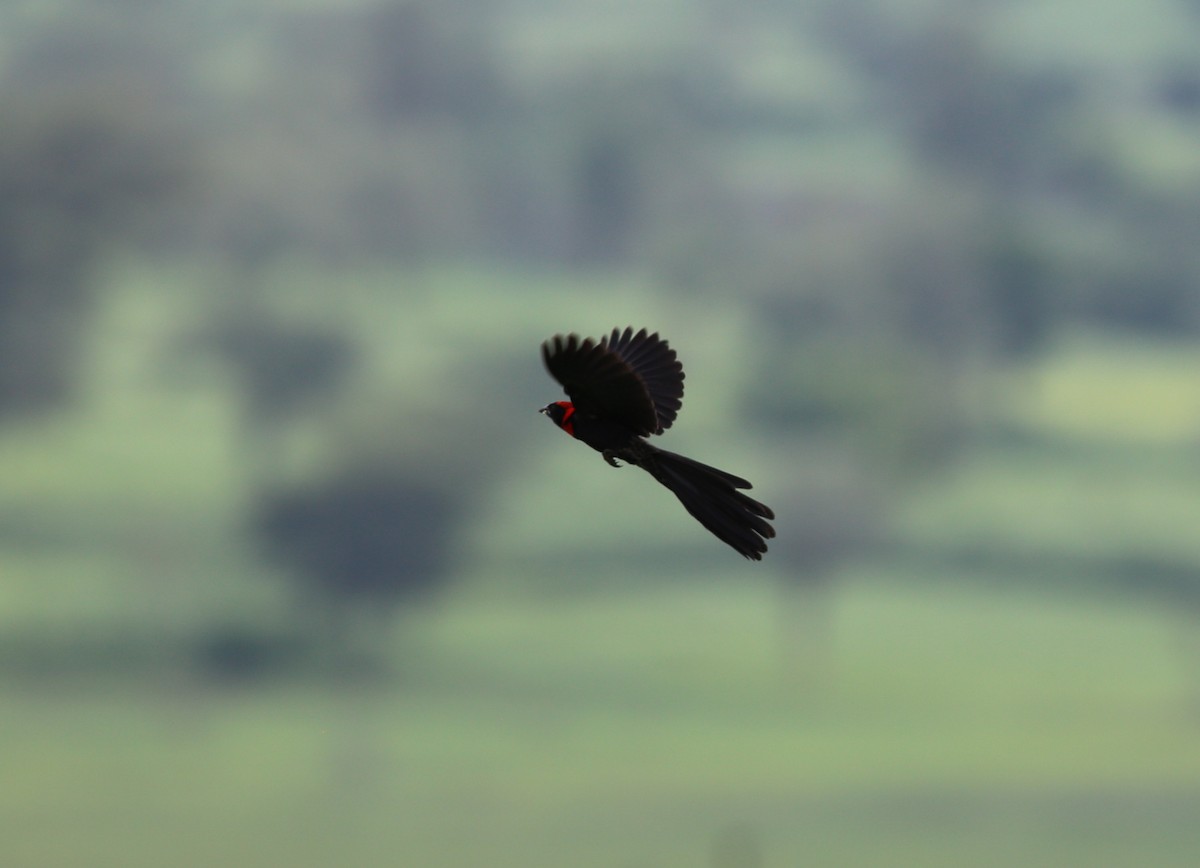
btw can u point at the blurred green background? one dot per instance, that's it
(292, 573)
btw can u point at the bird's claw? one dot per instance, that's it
(611, 458)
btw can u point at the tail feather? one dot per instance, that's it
(712, 497)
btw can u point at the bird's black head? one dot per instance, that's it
(560, 413)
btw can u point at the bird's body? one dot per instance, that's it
(628, 386)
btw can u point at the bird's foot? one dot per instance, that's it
(611, 458)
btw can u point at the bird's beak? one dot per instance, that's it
(542, 410)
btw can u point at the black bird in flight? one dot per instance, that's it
(625, 387)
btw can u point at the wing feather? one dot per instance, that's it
(631, 378)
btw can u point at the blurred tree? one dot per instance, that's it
(429, 58)
(283, 370)
(607, 199)
(77, 172)
(966, 106)
(92, 157)
(1179, 87)
(992, 132)
(993, 129)
(1017, 283)
(1153, 277)
(359, 543)
(832, 512)
(883, 397)
(374, 525)
(603, 151)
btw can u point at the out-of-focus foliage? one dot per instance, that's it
(80, 168)
(897, 208)
(275, 274)
(359, 545)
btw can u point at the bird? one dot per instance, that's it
(627, 386)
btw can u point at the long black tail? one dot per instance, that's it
(713, 499)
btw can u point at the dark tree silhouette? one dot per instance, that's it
(75, 175)
(284, 369)
(359, 545)
(283, 372)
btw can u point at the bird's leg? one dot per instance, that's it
(611, 457)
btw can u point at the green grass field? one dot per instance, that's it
(552, 713)
(636, 728)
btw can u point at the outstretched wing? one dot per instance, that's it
(656, 366)
(633, 379)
